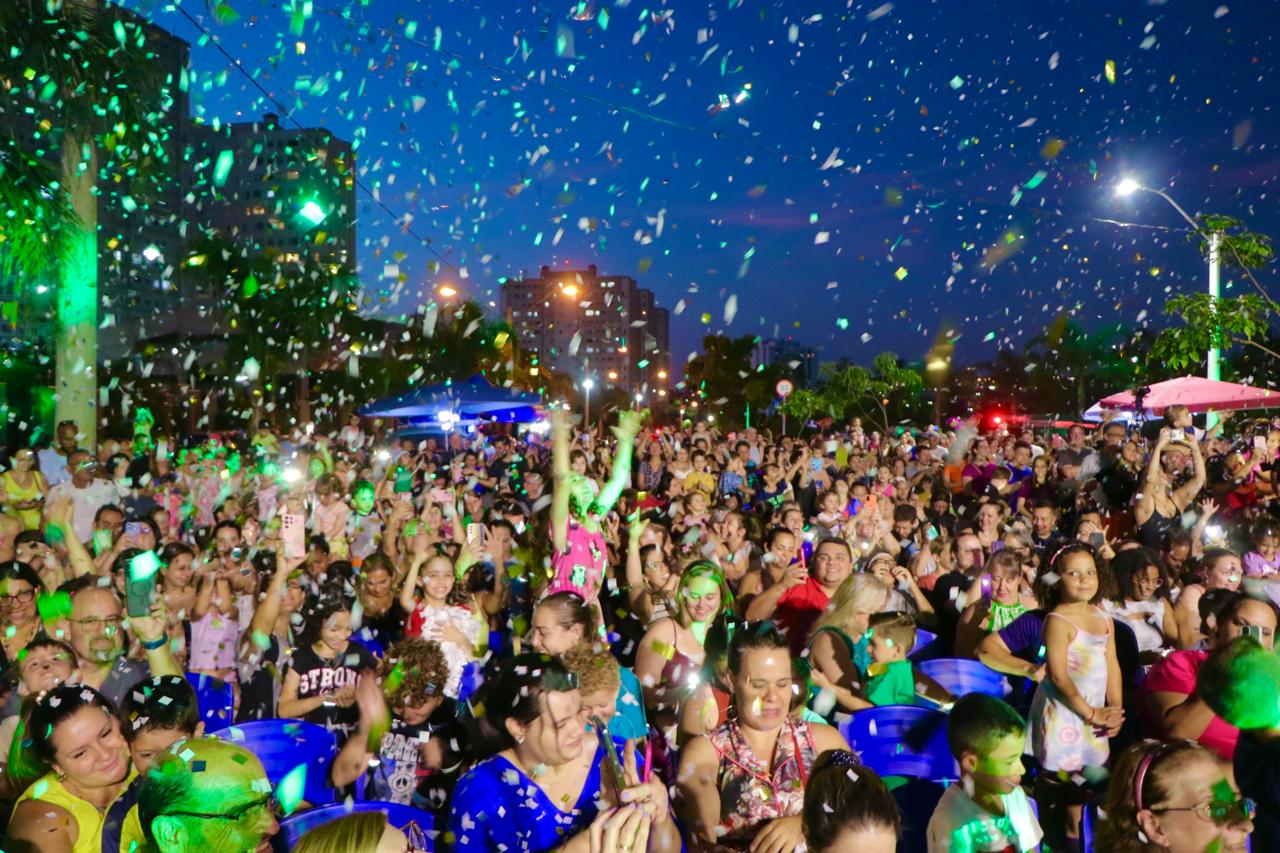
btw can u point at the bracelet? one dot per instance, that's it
(154, 644)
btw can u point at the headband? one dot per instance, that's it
(1140, 777)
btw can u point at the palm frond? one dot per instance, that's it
(34, 212)
(91, 72)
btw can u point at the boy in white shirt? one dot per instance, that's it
(987, 810)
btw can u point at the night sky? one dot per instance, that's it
(895, 171)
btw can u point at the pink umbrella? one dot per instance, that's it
(1197, 394)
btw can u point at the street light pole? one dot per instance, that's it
(586, 406)
(1213, 360)
(1215, 257)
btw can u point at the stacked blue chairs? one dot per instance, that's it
(283, 745)
(902, 740)
(963, 676)
(215, 699)
(295, 826)
(916, 799)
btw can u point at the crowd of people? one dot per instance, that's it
(626, 635)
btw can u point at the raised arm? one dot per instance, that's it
(560, 474)
(407, 599)
(353, 760)
(1145, 503)
(637, 594)
(258, 639)
(58, 515)
(628, 426)
(1183, 497)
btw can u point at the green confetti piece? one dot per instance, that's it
(842, 322)
(222, 168)
(1036, 180)
(224, 14)
(991, 336)
(144, 565)
(250, 287)
(957, 81)
(289, 791)
(900, 273)
(603, 19)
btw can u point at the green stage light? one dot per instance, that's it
(313, 212)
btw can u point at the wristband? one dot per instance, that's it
(154, 644)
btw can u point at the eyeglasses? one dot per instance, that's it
(255, 808)
(1220, 812)
(24, 597)
(97, 622)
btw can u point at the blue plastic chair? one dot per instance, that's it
(215, 699)
(916, 799)
(902, 740)
(924, 639)
(295, 826)
(282, 745)
(370, 641)
(962, 676)
(1088, 826)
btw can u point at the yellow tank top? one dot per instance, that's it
(17, 494)
(48, 789)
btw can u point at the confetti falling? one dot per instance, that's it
(595, 126)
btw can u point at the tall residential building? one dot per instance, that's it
(585, 324)
(283, 191)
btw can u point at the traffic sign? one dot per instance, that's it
(784, 387)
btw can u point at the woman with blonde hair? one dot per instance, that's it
(837, 648)
(361, 832)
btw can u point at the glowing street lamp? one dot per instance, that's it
(447, 291)
(1129, 186)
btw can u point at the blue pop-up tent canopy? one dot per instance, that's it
(476, 397)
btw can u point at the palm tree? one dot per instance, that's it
(84, 73)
